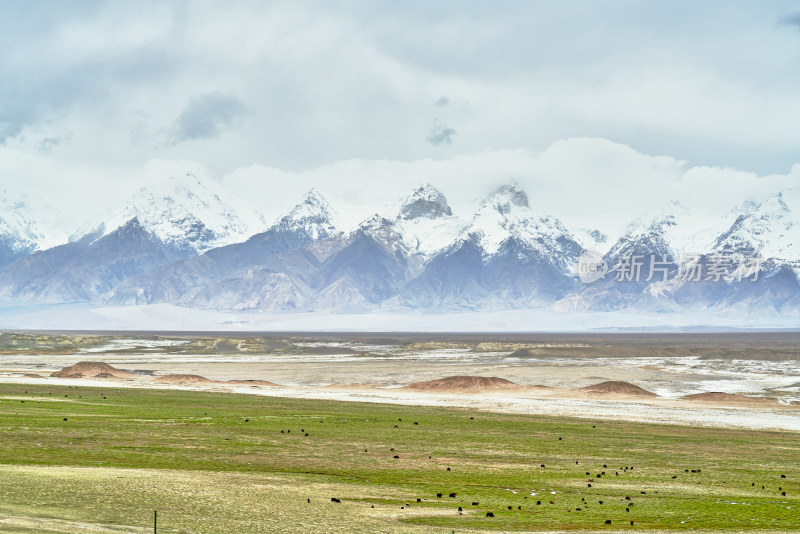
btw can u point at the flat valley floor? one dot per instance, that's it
(238, 432)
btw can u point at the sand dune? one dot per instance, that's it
(92, 370)
(464, 384)
(615, 387)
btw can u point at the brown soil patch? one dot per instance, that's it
(728, 398)
(614, 387)
(251, 383)
(182, 379)
(92, 370)
(464, 384)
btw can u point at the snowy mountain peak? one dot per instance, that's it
(26, 225)
(182, 182)
(659, 221)
(425, 201)
(506, 196)
(506, 214)
(386, 232)
(770, 228)
(18, 227)
(187, 213)
(311, 217)
(315, 198)
(20, 233)
(784, 201)
(674, 230)
(375, 222)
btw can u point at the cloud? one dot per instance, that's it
(207, 117)
(12, 121)
(47, 144)
(315, 85)
(586, 182)
(440, 134)
(791, 20)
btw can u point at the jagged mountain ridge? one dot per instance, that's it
(523, 258)
(190, 214)
(771, 228)
(424, 201)
(25, 228)
(158, 226)
(83, 270)
(19, 235)
(741, 263)
(509, 255)
(308, 222)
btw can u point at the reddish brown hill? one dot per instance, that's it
(614, 387)
(92, 370)
(464, 384)
(182, 379)
(251, 382)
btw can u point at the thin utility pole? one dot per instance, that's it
(155, 521)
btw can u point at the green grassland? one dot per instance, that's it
(104, 459)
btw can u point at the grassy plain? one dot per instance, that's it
(79, 459)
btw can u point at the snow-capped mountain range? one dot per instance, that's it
(184, 212)
(19, 233)
(188, 242)
(771, 228)
(25, 228)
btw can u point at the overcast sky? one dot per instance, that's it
(600, 109)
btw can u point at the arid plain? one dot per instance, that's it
(750, 380)
(308, 432)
